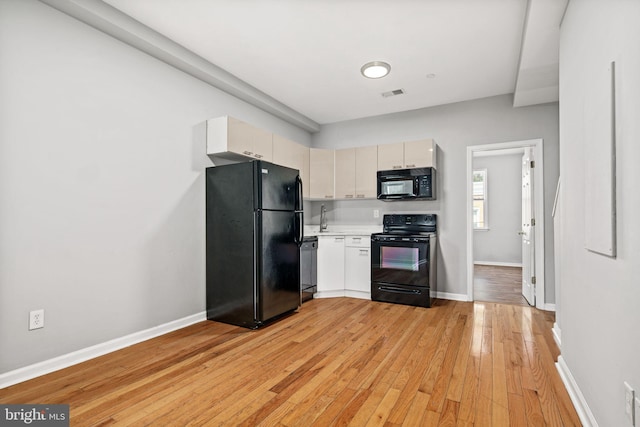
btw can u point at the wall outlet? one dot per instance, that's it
(629, 395)
(376, 213)
(36, 319)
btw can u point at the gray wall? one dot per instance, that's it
(454, 127)
(501, 242)
(101, 184)
(599, 295)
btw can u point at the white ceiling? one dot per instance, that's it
(307, 54)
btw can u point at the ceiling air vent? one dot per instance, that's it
(393, 93)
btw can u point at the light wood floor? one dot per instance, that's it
(498, 284)
(339, 361)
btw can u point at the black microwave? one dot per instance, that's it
(407, 184)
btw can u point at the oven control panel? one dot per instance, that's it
(408, 223)
(380, 237)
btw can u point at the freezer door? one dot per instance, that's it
(278, 281)
(276, 187)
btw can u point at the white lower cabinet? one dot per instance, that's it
(330, 266)
(357, 270)
(344, 266)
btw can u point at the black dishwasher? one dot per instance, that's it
(308, 267)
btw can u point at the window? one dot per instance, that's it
(480, 199)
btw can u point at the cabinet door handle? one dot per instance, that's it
(348, 196)
(360, 196)
(411, 166)
(356, 238)
(328, 197)
(364, 251)
(339, 239)
(397, 167)
(248, 153)
(258, 156)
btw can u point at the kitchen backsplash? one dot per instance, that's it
(361, 212)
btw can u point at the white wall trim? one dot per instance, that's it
(498, 264)
(557, 334)
(579, 402)
(41, 368)
(450, 296)
(538, 176)
(549, 307)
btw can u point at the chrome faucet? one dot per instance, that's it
(323, 218)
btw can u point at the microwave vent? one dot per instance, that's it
(393, 93)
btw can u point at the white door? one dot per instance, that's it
(527, 232)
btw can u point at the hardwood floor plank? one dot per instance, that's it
(416, 411)
(454, 391)
(500, 400)
(532, 408)
(470, 390)
(349, 411)
(449, 415)
(444, 376)
(380, 415)
(517, 413)
(337, 361)
(545, 394)
(336, 406)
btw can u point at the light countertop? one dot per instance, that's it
(342, 230)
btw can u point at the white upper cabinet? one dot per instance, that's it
(231, 138)
(321, 173)
(366, 168)
(293, 155)
(356, 173)
(420, 154)
(345, 173)
(406, 155)
(391, 156)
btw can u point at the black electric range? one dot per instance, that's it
(403, 260)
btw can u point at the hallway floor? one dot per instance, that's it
(498, 284)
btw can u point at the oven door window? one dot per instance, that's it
(400, 258)
(403, 263)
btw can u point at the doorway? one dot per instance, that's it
(496, 279)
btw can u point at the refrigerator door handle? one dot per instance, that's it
(256, 228)
(298, 193)
(300, 225)
(299, 211)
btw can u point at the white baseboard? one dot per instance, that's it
(357, 294)
(498, 264)
(329, 294)
(579, 402)
(557, 334)
(549, 307)
(41, 368)
(452, 297)
(366, 295)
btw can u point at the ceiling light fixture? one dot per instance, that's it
(375, 69)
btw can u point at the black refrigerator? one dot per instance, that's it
(254, 231)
